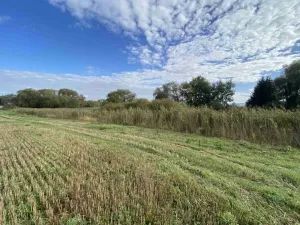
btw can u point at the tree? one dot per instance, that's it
(120, 95)
(197, 92)
(47, 99)
(8, 100)
(70, 99)
(222, 94)
(28, 98)
(67, 92)
(265, 94)
(288, 86)
(169, 90)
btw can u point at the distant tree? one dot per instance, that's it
(68, 92)
(138, 103)
(70, 99)
(198, 92)
(8, 100)
(102, 102)
(91, 103)
(265, 94)
(169, 90)
(28, 98)
(222, 94)
(288, 86)
(47, 99)
(120, 95)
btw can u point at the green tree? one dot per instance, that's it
(47, 99)
(8, 100)
(198, 92)
(68, 92)
(169, 90)
(222, 94)
(288, 86)
(265, 94)
(28, 98)
(70, 99)
(120, 95)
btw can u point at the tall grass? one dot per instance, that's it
(277, 127)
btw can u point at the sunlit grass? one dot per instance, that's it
(74, 172)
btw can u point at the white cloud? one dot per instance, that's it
(239, 39)
(95, 87)
(81, 24)
(4, 19)
(241, 97)
(90, 70)
(184, 38)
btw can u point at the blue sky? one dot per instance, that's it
(96, 46)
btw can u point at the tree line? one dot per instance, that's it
(44, 98)
(282, 92)
(196, 93)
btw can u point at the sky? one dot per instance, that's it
(97, 46)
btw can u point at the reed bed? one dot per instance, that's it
(277, 127)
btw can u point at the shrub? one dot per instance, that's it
(159, 104)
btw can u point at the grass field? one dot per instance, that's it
(73, 172)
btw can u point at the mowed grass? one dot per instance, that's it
(72, 172)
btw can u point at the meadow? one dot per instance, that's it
(271, 126)
(56, 171)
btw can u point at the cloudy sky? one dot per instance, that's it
(96, 46)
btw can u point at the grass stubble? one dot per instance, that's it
(72, 172)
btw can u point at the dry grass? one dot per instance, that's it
(64, 172)
(276, 127)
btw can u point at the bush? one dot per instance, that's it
(139, 103)
(159, 104)
(113, 106)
